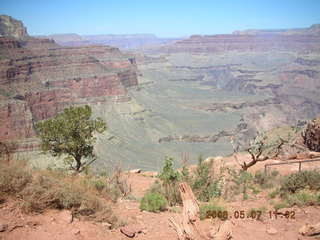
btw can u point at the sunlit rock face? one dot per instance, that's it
(12, 27)
(39, 78)
(299, 40)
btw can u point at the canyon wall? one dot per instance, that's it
(39, 78)
(303, 40)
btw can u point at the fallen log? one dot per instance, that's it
(187, 226)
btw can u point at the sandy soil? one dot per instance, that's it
(55, 225)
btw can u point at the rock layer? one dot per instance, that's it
(39, 78)
(304, 40)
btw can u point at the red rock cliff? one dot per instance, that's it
(39, 78)
(303, 40)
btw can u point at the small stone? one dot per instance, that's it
(3, 227)
(76, 231)
(32, 223)
(107, 225)
(66, 216)
(128, 231)
(272, 231)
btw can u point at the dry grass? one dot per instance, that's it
(45, 189)
(14, 177)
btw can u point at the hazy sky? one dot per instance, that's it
(165, 18)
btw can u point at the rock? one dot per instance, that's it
(131, 230)
(310, 230)
(107, 225)
(312, 135)
(32, 223)
(51, 69)
(212, 233)
(272, 231)
(135, 171)
(12, 27)
(128, 232)
(245, 42)
(75, 231)
(3, 227)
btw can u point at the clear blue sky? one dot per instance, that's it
(165, 18)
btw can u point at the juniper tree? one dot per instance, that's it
(71, 133)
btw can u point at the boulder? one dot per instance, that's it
(310, 230)
(135, 171)
(312, 135)
(3, 227)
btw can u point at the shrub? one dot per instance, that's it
(302, 198)
(170, 180)
(112, 187)
(48, 192)
(212, 210)
(273, 194)
(41, 190)
(274, 173)
(301, 180)
(204, 185)
(153, 202)
(243, 182)
(265, 180)
(280, 205)
(14, 177)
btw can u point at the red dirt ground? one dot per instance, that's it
(54, 224)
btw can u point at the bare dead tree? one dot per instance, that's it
(258, 150)
(120, 180)
(187, 225)
(257, 155)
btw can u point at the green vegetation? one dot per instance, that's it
(153, 202)
(301, 180)
(242, 183)
(71, 133)
(300, 189)
(302, 198)
(274, 193)
(204, 185)
(170, 180)
(280, 205)
(246, 183)
(213, 209)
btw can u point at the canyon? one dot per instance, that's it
(121, 41)
(191, 95)
(39, 78)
